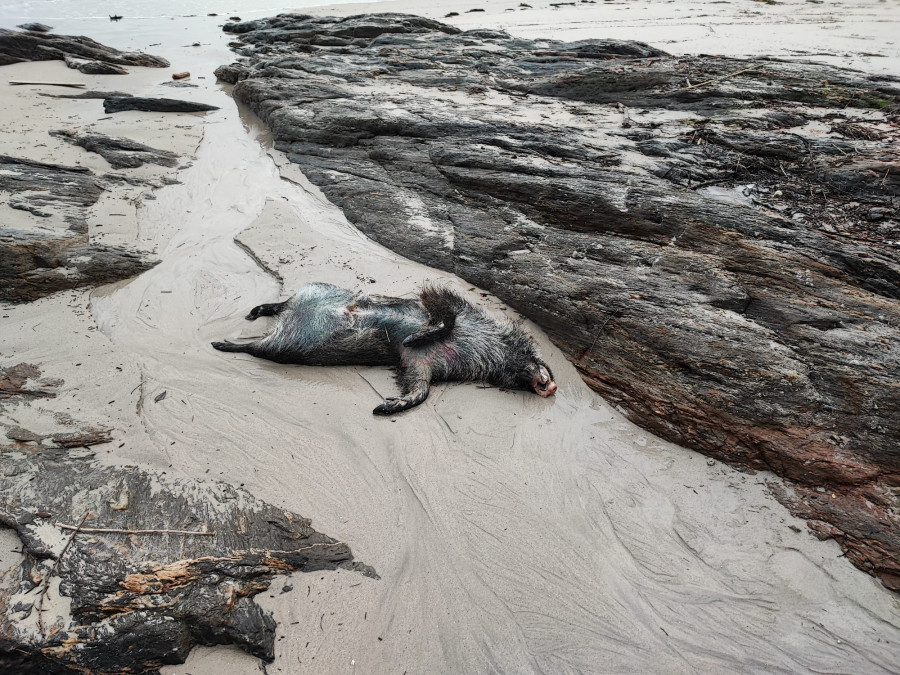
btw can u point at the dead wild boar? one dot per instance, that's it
(437, 337)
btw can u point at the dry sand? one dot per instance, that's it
(513, 534)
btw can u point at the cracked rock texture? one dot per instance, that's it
(16, 46)
(137, 601)
(713, 242)
(37, 262)
(120, 104)
(121, 153)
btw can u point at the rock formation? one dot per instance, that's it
(114, 105)
(712, 241)
(17, 46)
(121, 153)
(120, 569)
(152, 566)
(37, 262)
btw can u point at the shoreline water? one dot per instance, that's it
(510, 533)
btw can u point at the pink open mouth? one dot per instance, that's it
(543, 385)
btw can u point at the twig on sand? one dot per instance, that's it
(371, 385)
(50, 84)
(724, 77)
(45, 584)
(101, 530)
(449, 428)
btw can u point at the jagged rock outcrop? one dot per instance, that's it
(94, 67)
(712, 241)
(36, 27)
(121, 153)
(34, 265)
(114, 105)
(17, 46)
(153, 583)
(37, 262)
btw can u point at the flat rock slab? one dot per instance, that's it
(161, 566)
(94, 67)
(713, 242)
(36, 262)
(121, 153)
(33, 266)
(16, 46)
(41, 187)
(114, 105)
(35, 27)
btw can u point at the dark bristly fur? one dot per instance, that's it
(438, 337)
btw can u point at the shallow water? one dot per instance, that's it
(512, 534)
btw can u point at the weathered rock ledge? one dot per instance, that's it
(78, 51)
(35, 262)
(145, 582)
(712, 241)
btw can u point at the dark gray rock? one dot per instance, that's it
(35, 263)
(287, 27)
(32, 265)
(121, 153)
(35, 27)
(94, 67)
(232, 73)
(640, 208)
(114, 105)
(36, 187)
(16, 47)
(140, 598)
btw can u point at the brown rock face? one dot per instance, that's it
(712, 242)
(35, 263)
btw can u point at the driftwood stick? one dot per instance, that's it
(371, 385)
(101, 530)
(45, 584)
(49, 84)
(724, 77)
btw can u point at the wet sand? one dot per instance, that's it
(512, 534)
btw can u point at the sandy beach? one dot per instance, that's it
(512, 534)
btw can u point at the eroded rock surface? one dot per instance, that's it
(36, 27)
(36, 262)
(114, 105)
(712, 241)
(143, 596)
(121, 153)
(94, 67)
(16, 46)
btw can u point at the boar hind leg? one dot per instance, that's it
(227, 346)
(271, 309)
(414, 386)
(427, 335)
(443, 306)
